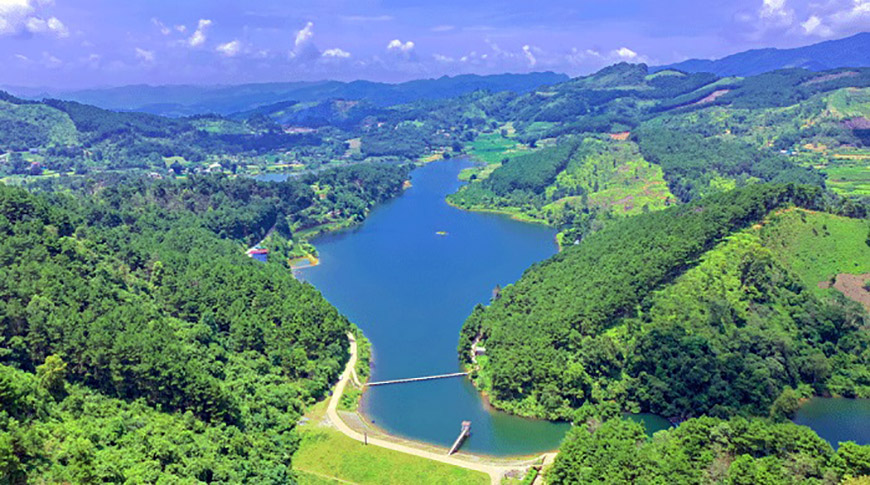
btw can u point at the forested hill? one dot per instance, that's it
(603, 448)
(225, 100)
(712, 307)
(139, 344)
(851, 51)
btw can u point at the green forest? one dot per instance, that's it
(711, 233)
(682, 312)
(139, 344)
(604, 448)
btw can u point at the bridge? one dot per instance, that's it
(417, 379)
(466, 430)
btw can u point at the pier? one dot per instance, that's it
(466, 430)
(417, 379)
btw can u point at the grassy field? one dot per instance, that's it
(327, 456)
(482, 172)
(849, 177)
(849, 102)
(493, 147)
(617, 179)
(818, 246)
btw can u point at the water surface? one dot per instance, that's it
(410, 289)
(837, 419)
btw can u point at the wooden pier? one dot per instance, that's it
(417, 379)
(466, 430)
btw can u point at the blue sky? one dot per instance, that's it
(88, 43)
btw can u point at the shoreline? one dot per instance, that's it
(496, 468)
(513, 215)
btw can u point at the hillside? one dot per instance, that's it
(851, 51)
(225, 100)
(603, 448)
(651, 140)
(139, 343)
(681, 312)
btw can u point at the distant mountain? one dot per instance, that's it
(849, 52)
(184, 100)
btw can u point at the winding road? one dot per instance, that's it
(494, 470)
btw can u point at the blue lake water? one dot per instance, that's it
(837, 419)
(410, 289)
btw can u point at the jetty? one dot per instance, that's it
(417, 379)
(466, 430)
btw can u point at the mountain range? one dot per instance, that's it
(186, 100)
(851, 51)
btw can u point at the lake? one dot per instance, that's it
(410, 289)
(837, 419)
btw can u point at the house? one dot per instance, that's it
(478, 351)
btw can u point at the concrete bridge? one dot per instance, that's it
(417, 379)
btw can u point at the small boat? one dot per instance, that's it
(441, 233)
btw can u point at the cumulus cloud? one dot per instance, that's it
(336, 53)
(198, 38)
(814, 26)
(397, 45)
(53, 25)
(442, 58)
(303, 46)
(527, 51)
(17, 16)
(230, 49)
(305, 34)
(776, 11)
(625, 54)
(144, 55)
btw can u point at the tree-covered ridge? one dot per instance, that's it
(138, 338)
(602, 448)
(722, 337)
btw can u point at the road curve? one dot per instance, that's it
(495, 471)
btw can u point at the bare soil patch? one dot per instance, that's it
(711, 97)
(851, 285)
(830, 77)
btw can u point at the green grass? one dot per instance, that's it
(818, 246)
(849, 179)
(850, 102)
(60, 128)
(482, 172)
(626, 183)
(325, 453)
(493, 148)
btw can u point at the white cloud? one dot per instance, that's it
(625, 53)
(336, 53)
(814, 26)
(777, 12)
(527, 51)
(443, 58)
(144, 55)
(181, 28)
(230, 49)
(160, 25)
(198, 38)
(398, 45)
(18, 16)
(305, 34)
(53, 25)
